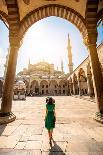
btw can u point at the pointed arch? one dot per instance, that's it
(53, 10)
(4, 18)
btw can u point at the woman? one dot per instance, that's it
(50, 116)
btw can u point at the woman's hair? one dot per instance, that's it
(50, 100)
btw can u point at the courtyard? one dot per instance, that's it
(76, 132)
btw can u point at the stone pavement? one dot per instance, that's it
(86, 97)
(76, 132)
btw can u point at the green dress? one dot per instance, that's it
(50, 119)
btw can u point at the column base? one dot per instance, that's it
(6, 118)
(99, 117)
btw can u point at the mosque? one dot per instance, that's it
(43, 79)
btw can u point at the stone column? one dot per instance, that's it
(79, 85)
(6, 115)
(29, 86)
(74, 88)
(71, 88)
(96, 71)
(90, 85)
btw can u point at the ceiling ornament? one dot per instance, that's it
(27, 2)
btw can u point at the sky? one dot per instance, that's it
(47, 40)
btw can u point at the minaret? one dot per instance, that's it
(6, 64)
(70, 65)
(62, 66)
(29, 64)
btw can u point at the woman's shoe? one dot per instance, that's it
(50, 142)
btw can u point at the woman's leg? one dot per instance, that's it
(49, 134)
(51, 131)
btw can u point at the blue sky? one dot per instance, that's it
(47, 40)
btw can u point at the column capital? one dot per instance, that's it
(90, 39)
(15, 40)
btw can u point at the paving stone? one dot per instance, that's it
(94, 135)
(35, 137)
(8, 142)
(79, 138)
(20, 145)
(8, 130)
(35, 145)
(14, 152)
(36, 152)
(53, 153)
(84, 153)
(83, 147)
(45, 145)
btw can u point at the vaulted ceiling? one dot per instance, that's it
(26, 6)
(16, 12)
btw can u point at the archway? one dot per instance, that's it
(34, 88)
(53, 87)
(83, 89)
(70, 86)
(53, 10)
(75, 85)
(4, 50)
(63, 87)
(72, 16)
(4, 18)
(44, 87)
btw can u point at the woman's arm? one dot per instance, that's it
(46, 113)
(54, 111)
(54, 114)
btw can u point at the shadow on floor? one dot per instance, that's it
(55, 149)
(2, 128)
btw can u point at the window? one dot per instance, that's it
(63, 91)
(42, 86)
(55, 91)
(42, 91)
(46, 86)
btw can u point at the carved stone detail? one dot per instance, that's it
(90, 39)
(14, 40)
(27, 2)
